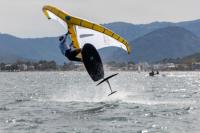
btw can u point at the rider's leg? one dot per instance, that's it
(75, 52)
(71, 55)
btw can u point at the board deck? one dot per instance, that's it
(92, 62)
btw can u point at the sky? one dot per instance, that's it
(24, 18)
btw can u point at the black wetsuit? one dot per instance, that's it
(71, 54)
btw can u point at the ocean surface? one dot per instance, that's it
(70, 102)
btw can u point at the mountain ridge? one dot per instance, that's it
(47, 48)
(137, 30)
(168, 42)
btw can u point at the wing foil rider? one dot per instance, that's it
(67, 48)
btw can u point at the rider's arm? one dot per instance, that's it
(63, 48)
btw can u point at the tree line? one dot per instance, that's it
(42, 65)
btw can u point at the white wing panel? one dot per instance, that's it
(99, 40)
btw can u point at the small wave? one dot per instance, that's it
(19, 101)
(38, 121)
(143, 131)
(24, 124)
(115, 119)
(93, 110)
(151, 102)
(190, 108)
(12, 121)
(99, 109)
(21, 120)
(4, 109)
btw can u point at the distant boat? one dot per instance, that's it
(152, 73)
(157, 72)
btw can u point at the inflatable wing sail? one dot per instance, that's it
(83, 31)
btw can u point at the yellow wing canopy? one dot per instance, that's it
(82, 28)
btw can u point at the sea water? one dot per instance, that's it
(70, 102)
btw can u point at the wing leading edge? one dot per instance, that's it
(73, 22)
